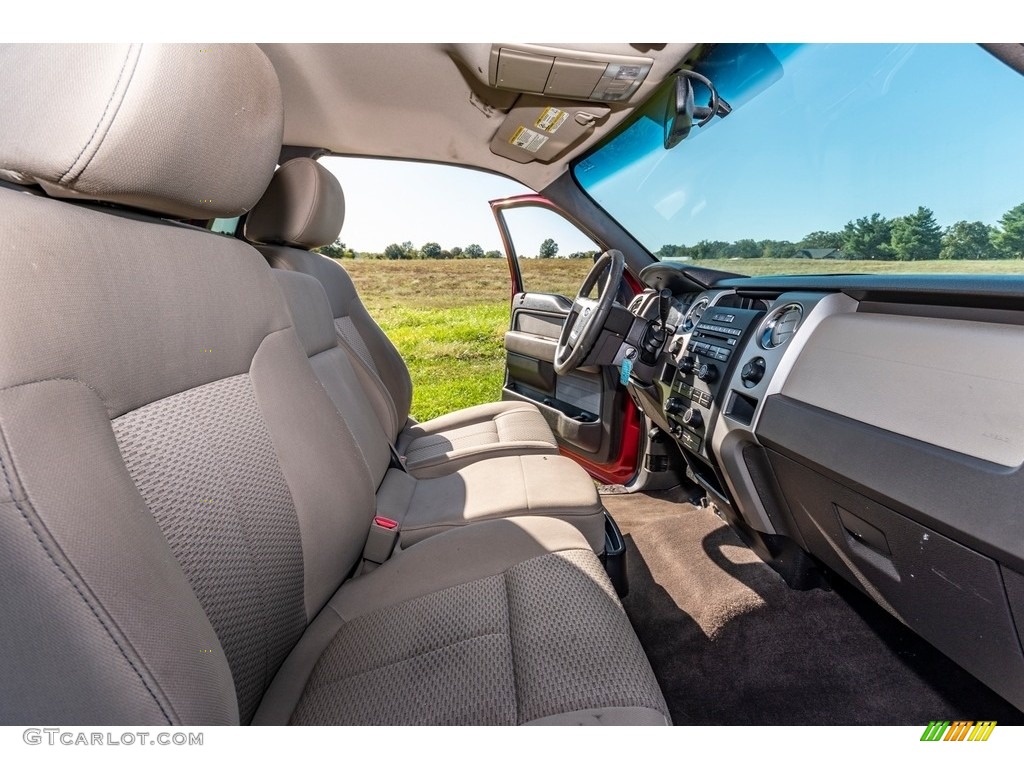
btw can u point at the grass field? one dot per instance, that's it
(448, 318)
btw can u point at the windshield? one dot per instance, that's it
(834, 158)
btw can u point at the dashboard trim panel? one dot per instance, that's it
(955, 384)
(972, 501)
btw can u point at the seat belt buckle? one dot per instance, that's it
(381, 540)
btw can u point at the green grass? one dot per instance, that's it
(448, 318)
(456, 356)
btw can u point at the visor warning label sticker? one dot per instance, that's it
(551, 119)
(526, 139)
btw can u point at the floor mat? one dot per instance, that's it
(731, 644)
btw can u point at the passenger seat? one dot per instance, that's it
(303, 208)
(503, 486)
(181, 503)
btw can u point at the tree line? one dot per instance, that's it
(339, 250)
(914, 237)
(406, 250)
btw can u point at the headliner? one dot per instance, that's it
(425, 101)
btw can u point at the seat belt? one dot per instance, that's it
(397, 459)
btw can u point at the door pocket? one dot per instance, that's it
(530, 371)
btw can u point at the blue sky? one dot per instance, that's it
(847, 131)
(388, 201)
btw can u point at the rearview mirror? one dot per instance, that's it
(681, 111)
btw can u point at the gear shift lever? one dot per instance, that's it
(657, 332)
(664, 307)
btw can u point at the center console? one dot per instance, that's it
(697, 370)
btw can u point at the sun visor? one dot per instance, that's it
(539, 128)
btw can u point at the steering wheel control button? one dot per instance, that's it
(752, 372)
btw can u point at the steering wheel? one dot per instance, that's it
(587, 317)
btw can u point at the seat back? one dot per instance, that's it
(179, 496)
(304, 208)
(353, 389)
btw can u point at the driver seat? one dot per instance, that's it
(304, 208)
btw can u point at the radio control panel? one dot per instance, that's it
(697, 370)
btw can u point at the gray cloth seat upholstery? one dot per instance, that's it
(304, 207)
(477, 642)
(181, 503)
(501, 486)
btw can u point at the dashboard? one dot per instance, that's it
(870, 425)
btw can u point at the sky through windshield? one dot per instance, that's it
(846, 132)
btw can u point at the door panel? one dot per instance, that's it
(572, 404)
(594, 420)
(531, 345)
(538, 324)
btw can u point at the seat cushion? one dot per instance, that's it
(455, 440)
(508, 622)
(551, 486)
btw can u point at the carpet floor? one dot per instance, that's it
(731, 644)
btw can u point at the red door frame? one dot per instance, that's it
(625, 463)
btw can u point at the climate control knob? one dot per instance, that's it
(753, 372)
(707, 372)
(693, 419)
(687, 364)
(674, 405)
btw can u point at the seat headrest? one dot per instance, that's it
(303, 207)
(188, 131)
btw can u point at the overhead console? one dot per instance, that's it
(571, 74)
(555, 97)
(565, 93)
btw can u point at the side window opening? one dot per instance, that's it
(225, 226)
(554, 255)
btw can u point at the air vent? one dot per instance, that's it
(780, 325)
(694, 314)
